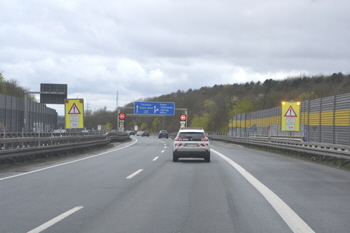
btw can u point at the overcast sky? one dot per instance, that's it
(147, 48)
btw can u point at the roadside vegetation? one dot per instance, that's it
(13, 88)
(212, 107)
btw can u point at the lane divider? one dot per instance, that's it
(295, 223)
(134, 174)
(55, 220)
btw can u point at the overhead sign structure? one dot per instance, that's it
(290, 116)
(154, 108)
(74, 112)
(53, 93)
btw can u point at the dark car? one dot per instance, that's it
(145, 134)
(163, 134)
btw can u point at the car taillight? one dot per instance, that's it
(204, 139)
(178, 139)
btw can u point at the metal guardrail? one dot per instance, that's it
(19, 149)
(315, 151)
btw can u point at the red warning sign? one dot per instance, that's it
(74, 110)
(290, 112)
(183, 117)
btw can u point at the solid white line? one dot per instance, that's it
(293, 220)
(134, 174)
(155, 158)
(55, 220)
(74, 161)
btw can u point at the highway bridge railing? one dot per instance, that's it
(19, 149)
(338, 154)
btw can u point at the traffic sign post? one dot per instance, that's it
(122, 117)
(183, 120)
(154, 108)
(290, 116)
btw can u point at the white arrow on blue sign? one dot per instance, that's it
(154, 108)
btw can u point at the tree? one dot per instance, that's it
(201, 121)
(107, 126)
(156, 125)
(143, 127)
(2, 85)
(307, 96)
(241, 106)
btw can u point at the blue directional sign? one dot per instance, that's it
(154, 108)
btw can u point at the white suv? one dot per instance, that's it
(191, 142)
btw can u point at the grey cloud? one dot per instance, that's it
(150, 48)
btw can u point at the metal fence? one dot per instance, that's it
(40, 117)
(324, 120)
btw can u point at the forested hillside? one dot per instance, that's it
(212, 107)
(13, 88)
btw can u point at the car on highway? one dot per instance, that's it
(139, 133)
(145, 134)
(191, 142)
(163, 134)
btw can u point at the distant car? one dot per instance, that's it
(132, 133)
(163, 134)
(145, 134)
(191, 142)
(139, 133)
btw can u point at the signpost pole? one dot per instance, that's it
(118, 112)
(25, 111)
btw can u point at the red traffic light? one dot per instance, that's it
(183, 117)
(122, 116)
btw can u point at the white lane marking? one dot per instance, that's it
(155, 158)
(134, 174)
(74, 161)
(55, 220)
(162, 151)
(293, 220)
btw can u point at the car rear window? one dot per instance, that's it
(191, 136)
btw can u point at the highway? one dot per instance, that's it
(135, 187)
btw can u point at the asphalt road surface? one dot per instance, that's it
(135, 187)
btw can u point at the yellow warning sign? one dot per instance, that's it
(290, 112)
(74, 109)
(290, 116)
(74, 113)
